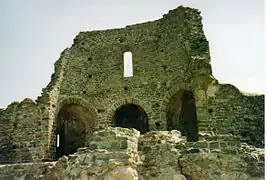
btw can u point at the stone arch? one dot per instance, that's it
(75, 120)
(168, 95)
(178, 91)
(134, 102)
(79, 101)
(181, 114)
(131, 116)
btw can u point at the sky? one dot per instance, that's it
(34, 33)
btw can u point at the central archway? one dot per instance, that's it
(131, 116)
(182, 115)
(73, 122)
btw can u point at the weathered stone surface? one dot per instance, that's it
(122, 173)
(234, 112)
(159, 156)
(216, 166)
(157, 162)
(172, 89)
(27, 171)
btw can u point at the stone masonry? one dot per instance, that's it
(123, 154)
(177, 121)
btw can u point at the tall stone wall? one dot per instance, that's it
(232, 112)
(167, 55)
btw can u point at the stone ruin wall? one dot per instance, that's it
(169, 54)
(124, 154)
(232, 112)
(161, 65)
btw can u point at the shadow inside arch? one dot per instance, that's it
(130, 115)
(75, 119)
(181, 114)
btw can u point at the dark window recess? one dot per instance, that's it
(125, 88)
(157, 124)
(89, 59)
(131, 116)
(210, 110)
(101, 110)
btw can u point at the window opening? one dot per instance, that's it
(128, 64)
(58, 140)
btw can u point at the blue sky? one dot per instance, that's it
(34, 33)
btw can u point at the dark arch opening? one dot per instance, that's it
(72, 123)
(182, 115)
(131, 116)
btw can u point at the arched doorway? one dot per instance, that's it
(73, 122)
(131, 116)
(182, 115)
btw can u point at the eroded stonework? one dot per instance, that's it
(186, 124)
(121, 153)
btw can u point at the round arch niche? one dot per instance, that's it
(181, 114)
(74, 122)
(131, 116)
